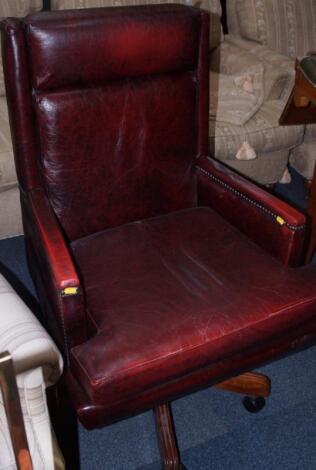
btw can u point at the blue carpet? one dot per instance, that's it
(214, 431)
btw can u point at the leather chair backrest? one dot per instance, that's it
(120, 102)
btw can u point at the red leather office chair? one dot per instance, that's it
(159, 271)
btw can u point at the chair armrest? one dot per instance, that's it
(24, 337)
(51, 263)
(61, 266)
(268, 221)
(37, 364)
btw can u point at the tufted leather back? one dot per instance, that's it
(120, 111)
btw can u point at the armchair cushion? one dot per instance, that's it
(236, 55)
(163, 303)
(236, 98)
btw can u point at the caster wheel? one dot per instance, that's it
(254, 404)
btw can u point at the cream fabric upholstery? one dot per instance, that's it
(266, 168)
(7, 168)
(287, 26)
(262, 132)
(22, 335)
(271, 143)
(10, 212)
(277, 31)
(11, 221)
(232, 19)
(278, 69)
(235, 98)
(236, 55)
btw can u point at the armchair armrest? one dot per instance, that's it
(38, 364)
(279, 68)
(59, 284)
(24, 337)
(268, 221)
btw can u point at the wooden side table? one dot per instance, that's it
(301, 109)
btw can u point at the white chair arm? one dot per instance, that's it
(24, 337)
(38, 364)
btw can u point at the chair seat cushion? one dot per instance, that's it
(175, 293)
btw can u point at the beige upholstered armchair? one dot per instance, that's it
(279, 31)
(38, 364)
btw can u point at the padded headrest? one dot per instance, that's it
(95, 45)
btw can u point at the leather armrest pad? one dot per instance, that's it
(60, 262)
(57, 279)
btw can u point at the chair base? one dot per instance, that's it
(167, 438)
(252, 384)
(249, 383)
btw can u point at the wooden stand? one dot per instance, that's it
(250, 383)
(300, 107)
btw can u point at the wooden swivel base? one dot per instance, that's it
(253, 385)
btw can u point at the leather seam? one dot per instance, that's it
(255, 203)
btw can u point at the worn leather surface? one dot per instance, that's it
(92, 414)
(172, 294)
(126, 43)
(271, 223)
(53, 270)
(165, 304)
(148, 163)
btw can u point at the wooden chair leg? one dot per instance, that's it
(167, 438)
(250, 383)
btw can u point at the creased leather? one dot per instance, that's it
(128, 47)
(164, 302)
(148, 163)
(171, 296)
